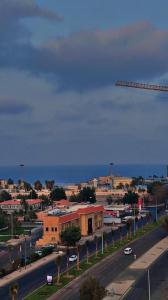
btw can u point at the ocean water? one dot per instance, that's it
(76, 174)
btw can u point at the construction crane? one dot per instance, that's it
(153, 87)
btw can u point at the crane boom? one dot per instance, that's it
(154, 87)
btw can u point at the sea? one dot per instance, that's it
(64, 175)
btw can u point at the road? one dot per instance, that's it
(107, 270)
(36, 278)
(158, 281)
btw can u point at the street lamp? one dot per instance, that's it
(156, 210)
(102, 250)
(134, 221)
(149, 288)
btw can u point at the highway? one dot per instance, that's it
(109, 269)
(158, 282)
(106, 270)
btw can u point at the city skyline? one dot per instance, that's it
(59, 63)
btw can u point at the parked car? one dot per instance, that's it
(73, 258)
(128, 251)
(59, 252)
(39, 252)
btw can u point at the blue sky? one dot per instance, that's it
(59, 61)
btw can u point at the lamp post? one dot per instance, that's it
(102, 250)
(149, 288)
(134, 221)
(25, 253)
(156, 210)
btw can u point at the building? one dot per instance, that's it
(88, 217)
(16, 205)
(121, 181)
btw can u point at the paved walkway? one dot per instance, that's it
(125, 281)
(29, 268)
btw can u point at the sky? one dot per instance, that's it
(59, 61)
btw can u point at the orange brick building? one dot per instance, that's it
(88, 217)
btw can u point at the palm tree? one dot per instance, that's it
(58, 262)
(128, 225)
(96, 242)
(105, 237)
(14, 291)
(165, 223)
(112, 237)
(78, 258)
(87, 251)
(120, 232)
(67, 261)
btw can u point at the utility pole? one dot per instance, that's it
(149, 288)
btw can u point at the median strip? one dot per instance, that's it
(45, 291)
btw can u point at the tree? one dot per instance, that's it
(3, 219)
(58, 262)
(87, 194)
(159, 192)
(49, 184)
(67, 261)
(130, 198)
(58, 194)
(25, 205)
(112, 236)
(33, 194)
(109, 200)
(87, 250)
(46, 201)
(38, 185)
(74, 198)
(120, 186)
(96, 243)
(10, 181)
(70, 236)
(165, 223)
(92, 290)
(78, 258)
(14, 291)
(4, 196)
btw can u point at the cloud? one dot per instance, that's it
(16, 9)
(12, 107)
(92, 59)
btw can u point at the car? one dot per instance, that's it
(39, 252)
(128, 251)
(73, 258)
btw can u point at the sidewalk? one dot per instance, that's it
(29, 268)
(125, 281)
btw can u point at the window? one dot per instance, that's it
(46, 228)
(52, 229)
(55, 228)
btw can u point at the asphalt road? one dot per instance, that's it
(108, 270)
(158, 282)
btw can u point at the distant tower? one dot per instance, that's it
(111, 173)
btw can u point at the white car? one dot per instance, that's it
(39, 252)
(73, 258)
(128, 251)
